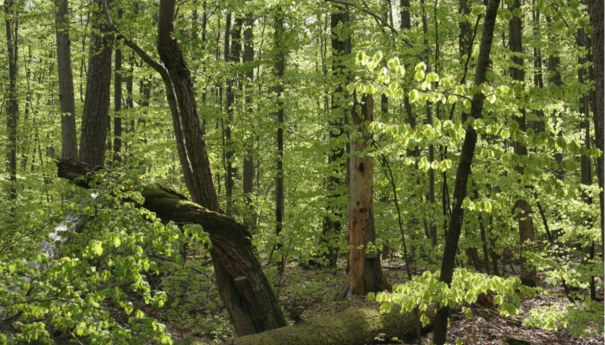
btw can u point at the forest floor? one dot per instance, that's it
(310, 292)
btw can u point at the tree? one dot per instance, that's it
(464, 169)
(69, 137)
(523, 209)
(363, 269)
(595, 8)
(12, 32)
(251, 303)
(340, 40)
(279, 68)
(95, 117)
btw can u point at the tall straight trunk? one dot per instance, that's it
(279, 68)
(585, 164)
(341, 47)
(523, 209)
(464, 169)
(430, 196)
(554, 78)
(232, 54)
(117, 105)
(12, 30)
(248, 58)
(69, 137)
(130, 93)
(538, 125)
(595, 9)
(244, 289)
(95, 118)
(363, 271)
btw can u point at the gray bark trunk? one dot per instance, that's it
(69, 137)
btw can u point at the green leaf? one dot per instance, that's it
(377, 57)
(420, 67)
(505, 134)
(393, 63)
(413, 96)
(432, 77)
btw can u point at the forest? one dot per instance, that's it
(302, 172)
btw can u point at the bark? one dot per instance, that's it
(248, 58)
(12, 29)
(231, 250)
(279, 68)
(251, 302)
(69, 137)
(351, 327)
(464, 169)
(364, 271)
(117, 105)
(522, 207)
(595, 9)
(188, 127)
(95, 118)
(538, 125)
(430, 196)
(340, 41)
(556, 80)
(230, 98)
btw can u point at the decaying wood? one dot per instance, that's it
(351, 327)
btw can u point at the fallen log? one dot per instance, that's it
(351, 327)
(231, 249)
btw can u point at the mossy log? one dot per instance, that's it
(351, 327)
(231, 249)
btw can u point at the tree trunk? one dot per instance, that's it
(523, 209)
(69, 137)
(595, 9)
(464, 169)
(95, 118)
(539, 124)
(351, 327)
(279, 68)
(364, 271)
(230, 98)
(248, 58)
(341, 48)
(12, 30)
(117, 104)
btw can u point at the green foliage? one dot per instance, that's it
(83, 282)
(426, 289)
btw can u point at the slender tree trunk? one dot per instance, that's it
(595, 9)
(95, 118)
(341, 47)
(69, 137)
(231, 55)
(539, 125)
(248, 58)
(523, 209)
(464, 169)
(12, 31)
(430, 196)
(364, 271)
(279, 68)
(117, 104)
(585, 164)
